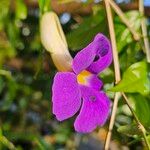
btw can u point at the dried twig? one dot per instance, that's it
(144, 30)
(125, 20)
(117, 70)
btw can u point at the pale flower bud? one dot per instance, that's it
(53, 39)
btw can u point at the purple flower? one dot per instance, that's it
(80, 89)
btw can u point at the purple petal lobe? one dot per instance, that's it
(103, 56)
(95, 57)
(94, 82)
(94, 111)
(66, 96)
(84, 58)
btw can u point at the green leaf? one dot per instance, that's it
(85, 32)
(135, 79)
(129, 130)
(123, 35)
(141, 108)
(131, 53)
(21, 9)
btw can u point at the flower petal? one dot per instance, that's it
(84, 58)
(94, 111)
(66, 96)
(103, 54)
(94, 82)
(95, 57)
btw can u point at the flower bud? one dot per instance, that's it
(53, 40)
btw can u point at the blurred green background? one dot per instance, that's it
(27, 71)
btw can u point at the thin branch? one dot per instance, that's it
(144, 30)
(125, 20)
(116, 68)
(112, 120)
(141, 127)
(113, 41)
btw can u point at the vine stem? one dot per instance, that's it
(117, 79)
(144, 31)
(113, 41)
(112, 120)
(117, 71)
(125, 20)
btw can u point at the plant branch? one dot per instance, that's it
(116, 68)
(113, 41)
(144, 30)
(125, 20)
(140, 126)
(112, 120)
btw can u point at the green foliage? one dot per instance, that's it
(135, 79)
(123, 35)
(141, 107)
(97, 23)
(129, 130)
(84, 33)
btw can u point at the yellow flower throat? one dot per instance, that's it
(82, 77)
